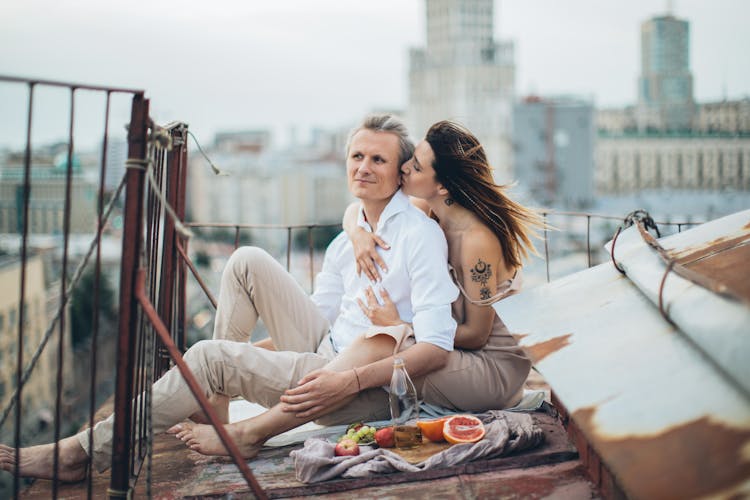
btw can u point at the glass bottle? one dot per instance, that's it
(404, 407)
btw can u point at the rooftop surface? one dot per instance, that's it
(552, 470)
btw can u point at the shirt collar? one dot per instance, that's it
(398, 203)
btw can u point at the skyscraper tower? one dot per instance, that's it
(665, 86)
(465, 75)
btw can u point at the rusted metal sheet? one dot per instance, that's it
(718, 325)
(655, 406)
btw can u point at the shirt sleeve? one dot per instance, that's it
(433, 290)
(329, 284)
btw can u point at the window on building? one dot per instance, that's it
(488, 54)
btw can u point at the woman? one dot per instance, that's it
(488, 235)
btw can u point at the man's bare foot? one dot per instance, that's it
(204, 439)
(38, 461)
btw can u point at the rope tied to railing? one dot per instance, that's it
(159, 138)
(136, 164)
(641, 216)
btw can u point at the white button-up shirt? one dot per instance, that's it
(417, 280)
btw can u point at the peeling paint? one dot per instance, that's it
(690, 253)
(731, 267)
(694, 459)
(538, 352)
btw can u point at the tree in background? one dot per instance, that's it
(82, 307)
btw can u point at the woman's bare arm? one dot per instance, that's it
(483, 269)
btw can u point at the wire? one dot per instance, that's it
(215, 169)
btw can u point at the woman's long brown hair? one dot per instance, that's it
(461, 167)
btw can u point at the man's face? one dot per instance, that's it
(372, 165)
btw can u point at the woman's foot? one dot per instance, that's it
(38, 461)
(204, 439)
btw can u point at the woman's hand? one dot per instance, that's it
(319, 391)
(385, 315)
(365, 253)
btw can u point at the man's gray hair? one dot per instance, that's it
(386, 123)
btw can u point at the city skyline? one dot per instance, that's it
(301, 64)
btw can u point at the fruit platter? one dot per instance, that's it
(434, 436)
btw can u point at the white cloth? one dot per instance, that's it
(506, 433)
(417, 280)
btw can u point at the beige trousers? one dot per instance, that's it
(253, 286)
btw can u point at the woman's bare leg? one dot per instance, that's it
(251, 433)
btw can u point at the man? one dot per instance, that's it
(307, 366)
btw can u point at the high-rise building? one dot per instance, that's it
(465, 75)
(554, 144)
(668, 141)
(665, 86)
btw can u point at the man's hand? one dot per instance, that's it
(319, 392)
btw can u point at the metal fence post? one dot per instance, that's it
(131, 247)
(168, 275)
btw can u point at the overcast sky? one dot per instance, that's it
(226, 64)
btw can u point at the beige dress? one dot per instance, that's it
(489, 378)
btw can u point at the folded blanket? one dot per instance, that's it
(506, 433)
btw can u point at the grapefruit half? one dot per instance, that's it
(463, 429)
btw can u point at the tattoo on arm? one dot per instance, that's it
(481, 273)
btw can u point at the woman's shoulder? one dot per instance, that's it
(479, 245)
(479, 238)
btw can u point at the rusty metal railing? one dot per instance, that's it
(152, 272)
(58, 323)
(289, 247)
(548, 216)
(152, 292)
(547, 251)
